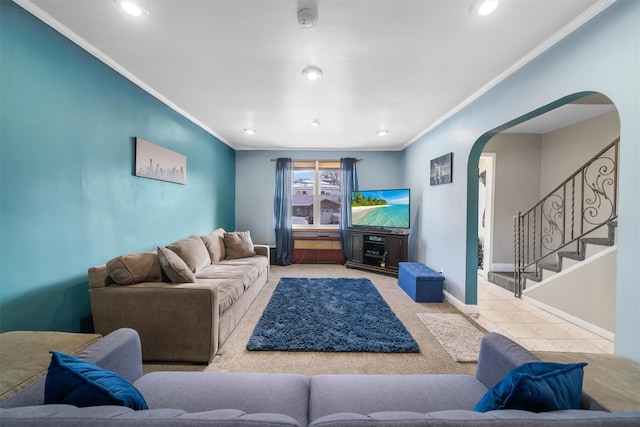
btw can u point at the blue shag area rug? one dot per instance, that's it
(332, 315)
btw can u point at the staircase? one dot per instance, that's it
(588, 246)
(572, 222)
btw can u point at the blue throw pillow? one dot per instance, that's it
(536, 387)
(76, 382)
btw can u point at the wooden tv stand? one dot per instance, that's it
(377, 251)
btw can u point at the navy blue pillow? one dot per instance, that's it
(76, 382)
(536, 387)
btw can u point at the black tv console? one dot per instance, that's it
(377, 251)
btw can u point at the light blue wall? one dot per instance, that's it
(255, 182)
(68, 196)
(602, 56)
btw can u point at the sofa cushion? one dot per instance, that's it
(238, 245)
(366, 394)
(76, 382)
(536, 387)
(68, 415)
(252, 393)
(214, 242)
(174, 267)
(192, 251)
(451, 418)
(242, 276)
(229, 291)
(246, 270)
(135, 268)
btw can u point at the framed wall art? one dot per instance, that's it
(155, 162)
(441, 170)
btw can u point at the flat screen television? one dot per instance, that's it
(380, 209)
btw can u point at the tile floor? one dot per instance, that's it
(532, 327)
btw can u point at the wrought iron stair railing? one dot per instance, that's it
(557, 226)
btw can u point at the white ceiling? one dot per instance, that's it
(560, 117)
(401, 65)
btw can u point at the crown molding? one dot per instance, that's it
(544, 46)
(84, 44)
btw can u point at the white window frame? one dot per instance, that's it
(317, 166)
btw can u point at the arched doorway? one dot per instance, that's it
(516, 174)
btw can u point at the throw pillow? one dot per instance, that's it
(192, 251)
(536, 387)
(76, 382)
(238, 245)
(174, 267)
(214, 242)
(134, 268)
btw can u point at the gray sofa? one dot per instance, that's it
(252, 399)
(185, 299)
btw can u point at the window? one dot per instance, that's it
(316, 194)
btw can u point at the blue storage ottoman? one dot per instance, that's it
(420, 282)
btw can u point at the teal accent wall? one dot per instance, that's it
(69, 199)
(601, 56)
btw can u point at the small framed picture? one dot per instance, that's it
(155, 162)
(442, 170)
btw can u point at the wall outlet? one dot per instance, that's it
(441, 272)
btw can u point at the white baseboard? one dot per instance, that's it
(465, 308)
(572, 319)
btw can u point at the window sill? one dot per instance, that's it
(321, 228)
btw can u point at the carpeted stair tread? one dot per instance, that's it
(572, 255)
(532, 276)
(604, 241)
(550, 266)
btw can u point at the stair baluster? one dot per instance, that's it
(541, 238)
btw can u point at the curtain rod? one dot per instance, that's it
(316, 160)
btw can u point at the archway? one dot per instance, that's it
(472, 187)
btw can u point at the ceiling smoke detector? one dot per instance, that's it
(307, 17)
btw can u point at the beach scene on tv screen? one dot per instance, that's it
(381, 208)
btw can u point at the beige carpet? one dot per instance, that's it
(234, 357)
(432, 359)
(457, 335)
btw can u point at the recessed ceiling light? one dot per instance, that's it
(483, 7)
(382, 132)
(312, 72)
(133, 7)
(249, 131)
(315, 123)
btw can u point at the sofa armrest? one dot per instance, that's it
(262, 250)
(164, 315)
(118, 351)
(498, 356)
(99, 277)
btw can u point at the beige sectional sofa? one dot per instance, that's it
(185, 299)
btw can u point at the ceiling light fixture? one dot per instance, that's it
(312, 72)
(483, 7)
(133, 7)
(249, 131)
(315, 123)
(382, 132)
